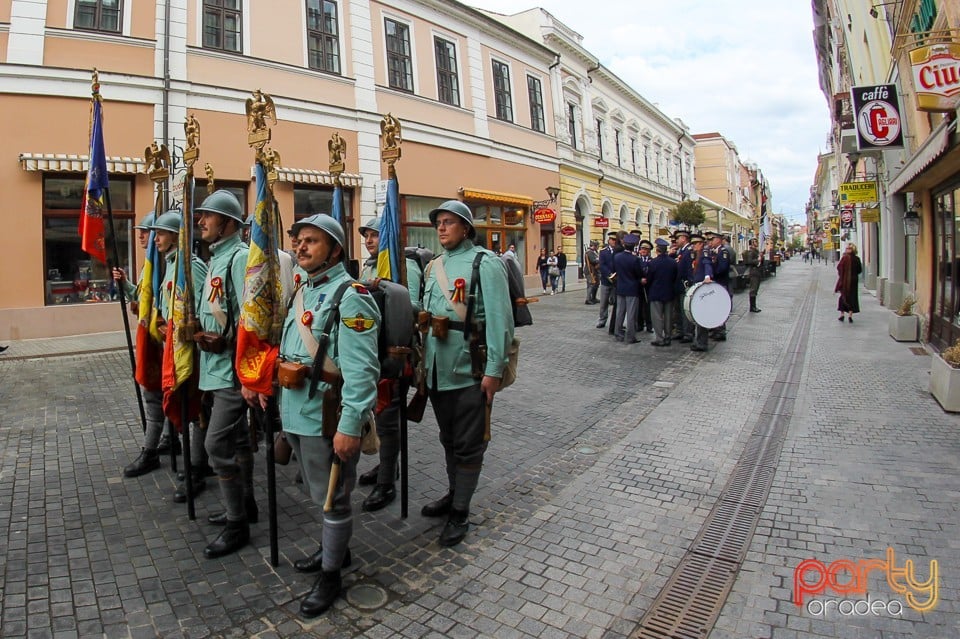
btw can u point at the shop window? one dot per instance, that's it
(222, 21)
(97, 15)
(70, 275)
(323, 36)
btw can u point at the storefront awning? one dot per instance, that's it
(312, 176)
(63, 163)
(478, 195)
(928, 152)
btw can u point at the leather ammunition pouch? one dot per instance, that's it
(210, 342)
(440, 326)
(292, 374)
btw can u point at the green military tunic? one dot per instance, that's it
(170, 279)
(352, 347)
(228, 262)
(449, 360)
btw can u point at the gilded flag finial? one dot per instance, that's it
(95, 84)
(391, 134)
(158, 162)
(208, 170)
(260, 107)
(191, 129)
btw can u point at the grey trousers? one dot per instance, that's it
(661, 313)
(626, 316)
(606, 292)
(315, 455)
(461, 414)
(156, 421)
(227, 439)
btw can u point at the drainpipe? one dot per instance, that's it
(166, 87)
(683, 194)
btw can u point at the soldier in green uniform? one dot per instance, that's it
(316, 435)
(227, 439)
(752, 258)
(166, 230)
(462, 386)
(383, 475)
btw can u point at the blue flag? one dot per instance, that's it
(91, 225)
(388, 260)
(337, 210)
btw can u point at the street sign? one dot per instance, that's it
(601, 222)
(870, 215)
(858, 192)
(380, 192)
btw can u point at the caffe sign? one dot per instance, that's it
(936, 76)
(877, 112)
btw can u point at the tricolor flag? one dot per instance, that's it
(149, 352)
(91, 217)
(261, 310)
(389, 260)
(178, 354)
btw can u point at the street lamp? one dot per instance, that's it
(911, 223)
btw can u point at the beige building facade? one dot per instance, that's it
(474, 97)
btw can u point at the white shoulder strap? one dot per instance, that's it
(458, 307)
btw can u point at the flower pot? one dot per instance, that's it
(904, 328)
(945, 384)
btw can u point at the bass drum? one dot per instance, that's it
(707, 304)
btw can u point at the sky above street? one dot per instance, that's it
(743, 68)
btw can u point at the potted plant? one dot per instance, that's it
(945, 378)
(904, 325)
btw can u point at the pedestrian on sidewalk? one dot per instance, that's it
(562, 265)
(553, 271)
(543, 268)
(848, 282)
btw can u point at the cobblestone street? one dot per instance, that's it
(607, 462)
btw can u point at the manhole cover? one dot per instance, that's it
(367, 597)
(587, 450)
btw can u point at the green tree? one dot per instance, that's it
(689, 213)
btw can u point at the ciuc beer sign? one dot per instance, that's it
(877, 112)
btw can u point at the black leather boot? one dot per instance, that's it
(180, 494)
(455, 529)
(314, 562)
(439, 507)
(163, 447)
(147, 461)
(369, 478)
(253, 514)
(324, 593)
(380, 497)
(234, 536)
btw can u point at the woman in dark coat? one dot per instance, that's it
(848, 283)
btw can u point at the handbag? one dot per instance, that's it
(553, 271)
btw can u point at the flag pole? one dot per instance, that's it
(114, 260)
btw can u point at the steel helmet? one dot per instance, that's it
(146, 222)
(169, 221)
(326, 224)
(223, 202)
(459, 209)
(372, 224)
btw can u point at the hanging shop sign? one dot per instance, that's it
(601, 222)
(870, 215)
(568, 231)
(936, 76)
(846, 218)
(858, 192)
(877, 110)
(544, 216)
